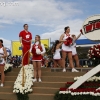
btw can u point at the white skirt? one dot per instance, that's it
(56, 56)
(74, 52)
(66, 48)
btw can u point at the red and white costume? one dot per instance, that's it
(2, 61)
(37, 50)
(64, 47)
(57, 55)
(26, 41)
(74, 52)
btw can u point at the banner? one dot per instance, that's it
(17, 50)
(91, 28)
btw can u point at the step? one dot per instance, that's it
(10, 78)
(45, 90)
(57, 79)
(46, 79)
(62, 73)
(12, 74)
(52, 74)
(68, 69)
(7, 96)
(6, 89)
(38, 96)
(43, 69)
(38, 84)
(49, 84)
(9, 83)
(16, 69)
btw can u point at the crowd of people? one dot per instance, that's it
(15, 61)
(63, 47)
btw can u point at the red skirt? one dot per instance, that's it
(37, 58)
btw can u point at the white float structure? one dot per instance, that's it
(91, 29)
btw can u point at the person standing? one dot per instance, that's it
(66, 38)
(74, 52)
(3, 55)
(37, 51)
(56, 53)
(25, 39)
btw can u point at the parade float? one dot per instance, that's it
(86, 87)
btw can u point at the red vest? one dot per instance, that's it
(34, 49)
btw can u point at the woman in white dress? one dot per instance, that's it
(74, 52)
(3, 55)
(56, 53)
(66, 49)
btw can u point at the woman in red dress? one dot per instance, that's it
(3, 55)
(38, 51)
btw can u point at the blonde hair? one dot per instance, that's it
(39, 39)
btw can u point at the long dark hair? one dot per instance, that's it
(66, 29)
(56, 42)
(1, 42)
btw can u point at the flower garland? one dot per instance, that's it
(22, 92)
(7, 68)
(94, 54)
(89, 90)
(94, 51)
(94, 78)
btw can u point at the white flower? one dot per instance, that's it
(92, 53)
(80, 93)
(97, 52)
(13, 91)
(93, 58)
(66, 92)
(17, 91)
(75, 78)
(28, 83)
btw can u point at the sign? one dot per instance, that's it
(17, 50)
(91, 28)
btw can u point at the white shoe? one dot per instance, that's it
(74, 70)
(1, 85)
(40, 80)
(35, 80)
(64, 70)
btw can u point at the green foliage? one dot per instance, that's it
(8, 70)
(22, 96)
(77, 97)
(82, 52)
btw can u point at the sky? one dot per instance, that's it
(46, 18)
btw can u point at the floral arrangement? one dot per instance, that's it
(7, 68)
(94, 54)
(22, 92)
(87, 91)
(68, 41)
(94, 78)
